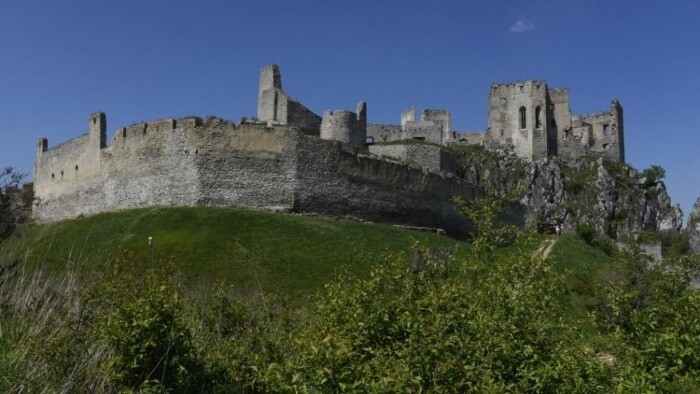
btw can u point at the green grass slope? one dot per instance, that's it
(251, 250)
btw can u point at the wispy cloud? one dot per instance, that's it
(522, 26)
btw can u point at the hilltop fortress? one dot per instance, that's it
(290, 159)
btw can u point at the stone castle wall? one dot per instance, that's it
(190, 162)
(290, 159)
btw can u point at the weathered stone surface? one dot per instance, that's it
(580, 192)
(427, 157)
(215, 163)
(694, 227)
(528, 118)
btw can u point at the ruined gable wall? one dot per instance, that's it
(303, 118)
(601, 133)
(276, 107)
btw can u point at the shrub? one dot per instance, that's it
(489, 324)
(146, 326)
(587, 233)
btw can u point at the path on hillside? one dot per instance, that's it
(546, 247)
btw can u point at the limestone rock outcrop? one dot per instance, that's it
(597, 192)
(694, 227)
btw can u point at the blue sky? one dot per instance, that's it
(144, 60)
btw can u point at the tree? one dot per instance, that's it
(654, 174)
(15, 200)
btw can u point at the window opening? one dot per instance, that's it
(523, 118)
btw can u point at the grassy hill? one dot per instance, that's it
(506, 314)
(276, 252)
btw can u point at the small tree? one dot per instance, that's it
(15, 200)
(653, 174)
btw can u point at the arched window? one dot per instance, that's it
(538, 117)
(523, 118)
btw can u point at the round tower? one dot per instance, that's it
(345, 126)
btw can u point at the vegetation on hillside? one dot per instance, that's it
(15, 201)
(290, 254)
(427, 319)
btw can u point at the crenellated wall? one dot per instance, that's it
(191, 162)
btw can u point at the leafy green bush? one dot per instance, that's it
(587, 233)
(144, 323)
(492, 323)
(430, 330)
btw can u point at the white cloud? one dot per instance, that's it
(522, 26)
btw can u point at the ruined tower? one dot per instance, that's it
(519, 117)
(535, 121)
(276, 107)
(346, 126)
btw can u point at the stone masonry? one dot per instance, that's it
(290, 159)
(527, 118)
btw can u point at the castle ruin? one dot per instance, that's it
(290, 159)
(528, 118)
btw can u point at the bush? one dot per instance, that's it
(147, 328)
(587, 233)
(492, 324)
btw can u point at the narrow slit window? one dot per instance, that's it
(523, 118)
(538, 117)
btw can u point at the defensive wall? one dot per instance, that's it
(290, 159)
(212, 162)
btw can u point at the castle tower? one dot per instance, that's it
(346, 126)
(272, 103)
(519, 117)
(619, 128)
(41, 146)
(408, 116)
(442, 118)
(97, 131)
(276, 107)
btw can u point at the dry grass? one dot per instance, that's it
(40, 318)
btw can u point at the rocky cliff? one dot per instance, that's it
(693, 228)
(610, 196)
